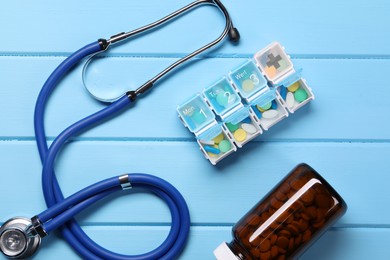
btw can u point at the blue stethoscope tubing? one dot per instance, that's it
(61, 211)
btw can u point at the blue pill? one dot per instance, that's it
(283, 92)
(274, 105)
(247, 120)
(211, 149)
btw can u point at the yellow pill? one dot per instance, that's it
(211, 154)
(260, 109)
(218, 138)
(247, 85)
(270, 71)
(293, 87)
(240, 135)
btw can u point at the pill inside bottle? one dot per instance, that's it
(282, 225)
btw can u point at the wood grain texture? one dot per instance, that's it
(344, 133)
(342, 243)
(335, 83)
(305, 27)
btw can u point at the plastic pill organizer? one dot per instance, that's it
(252, 98)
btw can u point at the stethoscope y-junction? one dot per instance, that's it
(20, 237)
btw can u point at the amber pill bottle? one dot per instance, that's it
(287, 220)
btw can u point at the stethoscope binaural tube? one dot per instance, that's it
(20, 237)
(229, 31)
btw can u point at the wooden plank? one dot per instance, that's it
(215, 194)
(342, 46)
(344, 93)
(306, 27)
(335, 244)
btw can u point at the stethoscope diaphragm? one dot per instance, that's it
(102, 81)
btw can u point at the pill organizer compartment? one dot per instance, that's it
(213, 140)
(248, 81)
(295, 92)
(265, 102)
(238, 121)
(242, 126)
(268, 113)
(217, 145)
(221, 96)
(274, 62)
(195, 114)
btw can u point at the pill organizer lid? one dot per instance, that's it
(223, 252)
(290, 79)
(222, 96)
(264, 98)
(209, 132)
(248, 71)
(196, 114)
(238, 115)
(274, 62)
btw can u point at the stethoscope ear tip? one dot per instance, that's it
(16, 240)
(234, 34)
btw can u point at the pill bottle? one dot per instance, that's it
(287, 220)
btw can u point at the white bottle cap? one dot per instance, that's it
(223, 252)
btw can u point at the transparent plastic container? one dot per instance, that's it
(250, 99)
(265, 102)
(213, 140)
(270, 113)
(238, 120)
(249, 81)
(278, 68)
(295, 92)
(287, 220)
(274, 62)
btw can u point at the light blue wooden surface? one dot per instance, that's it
(343, 47)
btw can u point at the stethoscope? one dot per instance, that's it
(20, 237)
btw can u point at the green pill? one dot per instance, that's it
(282, 65)
(300, 95)
(199, 117)
(266, 106)
(224, 146)
(223, 99)
(232, 127)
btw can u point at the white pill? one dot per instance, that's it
(290, 100)
(249, 128)
(207, 142)
(270, 114)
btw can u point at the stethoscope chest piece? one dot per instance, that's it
(16, 240)
(102, 82)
